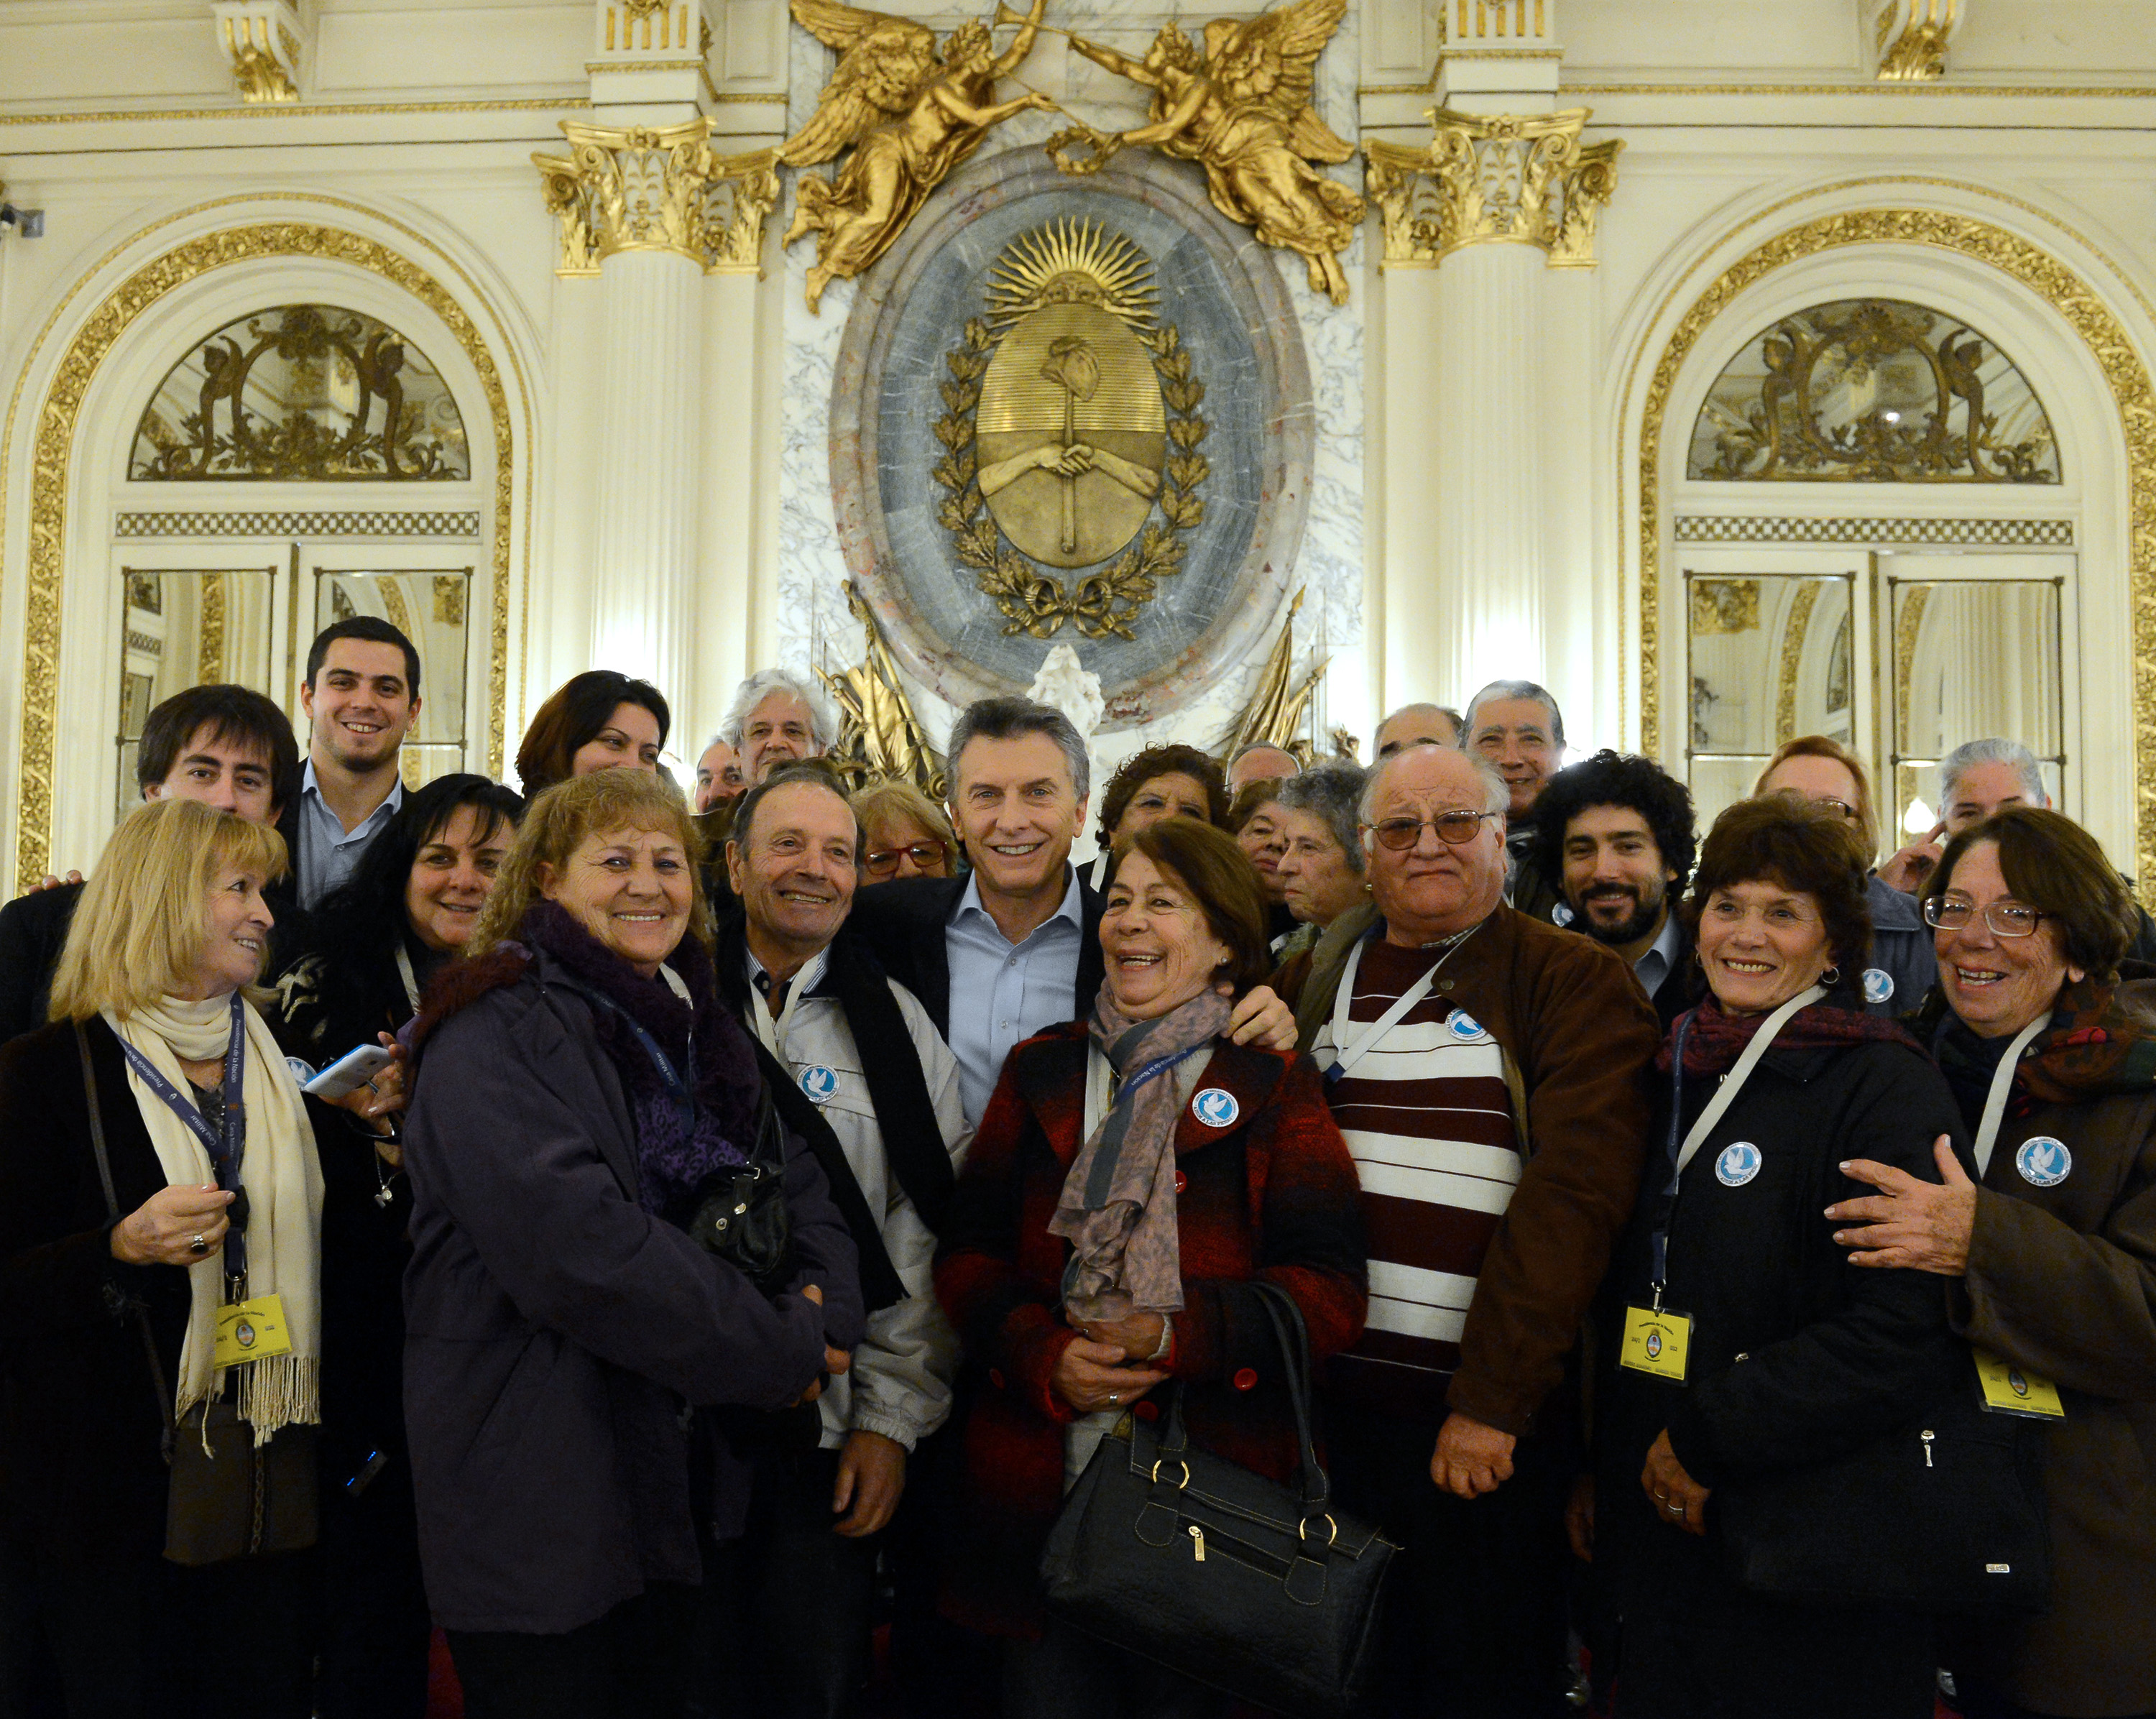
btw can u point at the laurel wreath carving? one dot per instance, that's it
(1104, 603)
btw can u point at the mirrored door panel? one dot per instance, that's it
(1771, 656)
(187, 627)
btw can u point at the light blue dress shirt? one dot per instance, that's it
(1654, 967)
(1002, 992)
(327, 856)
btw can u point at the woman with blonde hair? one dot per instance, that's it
(581, 1102)
(904, 834)
(160, 1267)
(1823, 771)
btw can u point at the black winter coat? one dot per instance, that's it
(1796, 1357)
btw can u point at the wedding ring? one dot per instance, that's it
(197, 1245)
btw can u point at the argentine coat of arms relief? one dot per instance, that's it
(1072, 434)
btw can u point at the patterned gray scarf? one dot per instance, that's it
(1117, 1207)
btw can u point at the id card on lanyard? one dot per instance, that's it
(1657, 1340)
(246, 1329)
(2008, 1389)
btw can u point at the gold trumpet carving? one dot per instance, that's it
(1279, 704)
(910, 113)
(880, 739)
(1242, 110)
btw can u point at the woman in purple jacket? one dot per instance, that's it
(578, 1091)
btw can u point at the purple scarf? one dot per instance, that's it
(674, 1159)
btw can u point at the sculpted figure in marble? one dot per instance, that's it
(909, 113)
(1242, 110)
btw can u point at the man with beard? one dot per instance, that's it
(1614, 839)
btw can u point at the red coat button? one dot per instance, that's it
(1246, 1378)
(1145, 1410)
(1182, 1182)
(996, 1376)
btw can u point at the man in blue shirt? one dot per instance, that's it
(361, 697)
(1014, 945)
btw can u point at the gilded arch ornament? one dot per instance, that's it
(2043, 275)
(53, 438)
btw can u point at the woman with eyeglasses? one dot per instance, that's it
(2049, 1253)
(1739, 1345)
(904, 834)
(1902, 968)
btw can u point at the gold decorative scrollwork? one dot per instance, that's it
(261, 39)
(317, 393)
(639, 189)
(1912, 39)
(1494, 179)
(880, 739)
(1279, 706)
(1724, 606)
(1038, 483)
(2046, 277)
(1861, 391)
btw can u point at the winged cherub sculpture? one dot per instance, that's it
(1242, 110)
(911, 113)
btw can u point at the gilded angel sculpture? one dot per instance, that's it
(1242, 110)
(911, 116)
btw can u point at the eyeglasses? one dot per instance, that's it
(1454, 828)
(2007, 919)
(882, 862)
(1840, 808)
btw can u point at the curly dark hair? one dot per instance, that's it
(1174, 759)
(2052, 863)
(1808, 850)
(1612, 778)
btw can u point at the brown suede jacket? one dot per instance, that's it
(1579, 1037)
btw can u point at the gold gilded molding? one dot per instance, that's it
(2041, 274)
(261, 39)
(1911, 37)
(2045, 92)
(1909, 627)
(306, 111)
(1493, 179)
(1794, 631)
(1724, 606)
(638, 189)
(880, 738)
(210, 658)
(54, 440)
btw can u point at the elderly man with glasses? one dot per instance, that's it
(1489, 1073)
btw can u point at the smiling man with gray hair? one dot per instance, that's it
(776, 718)
(1455, 1033)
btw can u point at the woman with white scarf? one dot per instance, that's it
(158, 1282)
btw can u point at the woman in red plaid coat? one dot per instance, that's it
(1132, 1175)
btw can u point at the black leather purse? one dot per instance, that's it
(1260, 1590)
(1944, 1516)
(742, 1216)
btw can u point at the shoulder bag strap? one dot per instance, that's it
(112, 1216)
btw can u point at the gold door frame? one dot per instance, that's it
(2049, 278)
(61, 407)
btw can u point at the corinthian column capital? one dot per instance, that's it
(1493, 179)
(640, 189)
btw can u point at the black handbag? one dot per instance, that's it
(1943, 1516)
(1258, 1589)
(742, 1216)
(226, 1499)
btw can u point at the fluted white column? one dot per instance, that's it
(645, 525)
(1487, 552)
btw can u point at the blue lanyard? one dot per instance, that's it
(677, 1089)
(227, 1146)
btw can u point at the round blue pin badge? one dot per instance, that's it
(1465, 1028)
(2043, 1161)
(1878, 985)
(1739, 1164)
(1216, 1108)
(819, 1083)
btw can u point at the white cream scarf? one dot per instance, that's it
(284, 1182)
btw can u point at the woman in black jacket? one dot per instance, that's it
(1738, 1341)
(406, 913)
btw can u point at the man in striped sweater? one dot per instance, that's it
(1489, 1072)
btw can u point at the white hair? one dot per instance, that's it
(1495, 795)
(823, 725)
(1957, 763)
(1514, 689)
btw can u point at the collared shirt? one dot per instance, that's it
(327, 856)
(1002, 992)
(1662, 955)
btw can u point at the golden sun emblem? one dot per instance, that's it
(1080, 410)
